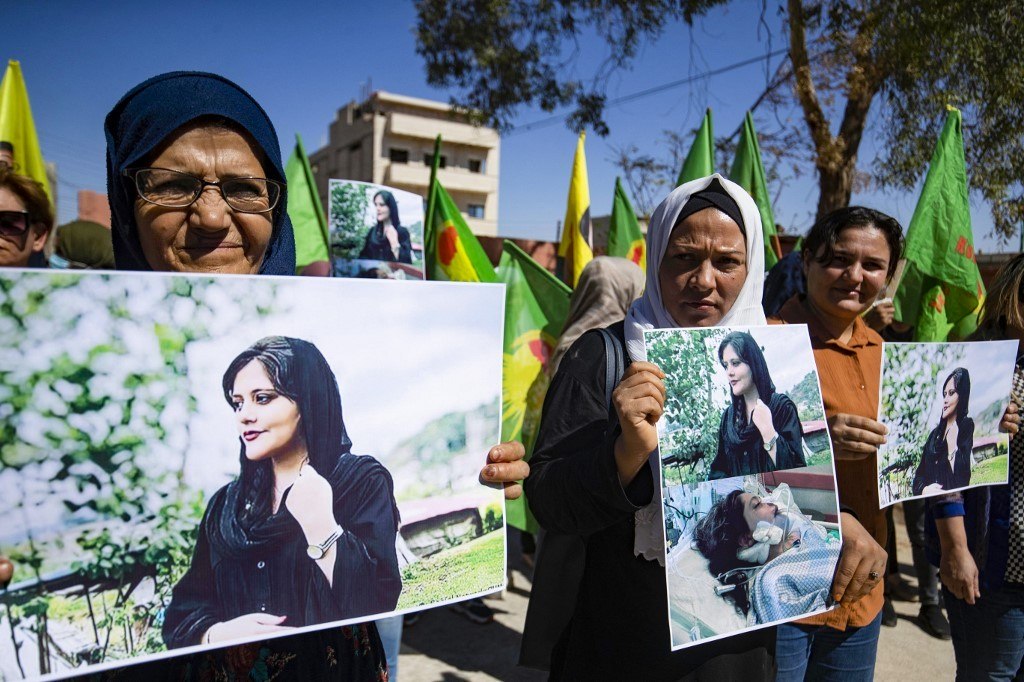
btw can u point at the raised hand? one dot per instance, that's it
(639, 402)
(6, 572)
(1010, 423)
(311, 502)
(855, 437)
(761, 416)
(505, 467)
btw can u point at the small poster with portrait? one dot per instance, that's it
(195, 461)
(375, 232)
(943, 404)
(750, 511)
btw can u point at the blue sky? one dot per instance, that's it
(304, 60)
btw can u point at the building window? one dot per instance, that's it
(428, 160)
(398, 155)
(476, 166)
(475, 210)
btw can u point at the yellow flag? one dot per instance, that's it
(17, 127)
(574, 248)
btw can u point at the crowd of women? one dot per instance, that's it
(196, 184)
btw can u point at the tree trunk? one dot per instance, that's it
(835, 186)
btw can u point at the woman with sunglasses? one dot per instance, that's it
(26, 218)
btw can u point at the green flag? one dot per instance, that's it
(941, 288)
(305, 209)
(452, 252)
(748, 172)
(700, 162)
(625, 239)
(536, 305)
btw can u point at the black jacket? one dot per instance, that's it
(376, 246)
(739, 456)
(934, 466)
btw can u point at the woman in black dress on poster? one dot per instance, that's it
(946, 461)
(306, 533)
(760, 430)
(387, 240)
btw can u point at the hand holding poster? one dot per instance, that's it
(748, 484)
(181, 474)
(942, 404)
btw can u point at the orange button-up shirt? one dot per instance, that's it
(850, 374)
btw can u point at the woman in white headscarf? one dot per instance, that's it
(589, 471)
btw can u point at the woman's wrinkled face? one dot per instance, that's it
(16, 247)
(849, 282)
(755, 509)
(267, 421)
(704, 268)
(737, 372)
(383, 212)
(950, 399)
(208, 236)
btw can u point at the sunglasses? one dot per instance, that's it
(14, 223)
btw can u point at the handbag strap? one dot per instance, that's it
(614, 365)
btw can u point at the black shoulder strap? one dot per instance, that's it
(614, 364)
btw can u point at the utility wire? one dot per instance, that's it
(544, 122)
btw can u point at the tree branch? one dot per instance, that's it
(817, 124)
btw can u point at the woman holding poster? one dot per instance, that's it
(760, 429)
(947, 457)
(306, 533)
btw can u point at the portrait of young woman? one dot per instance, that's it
(760, 429)
(306, 532)
(947, 457)
(387, 240)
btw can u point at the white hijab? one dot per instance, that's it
(649, 312)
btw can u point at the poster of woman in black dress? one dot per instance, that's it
(375, 231)
(947, 458)
(760, 429)
(306, 533)
(388, 240)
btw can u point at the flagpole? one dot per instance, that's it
(429, 233)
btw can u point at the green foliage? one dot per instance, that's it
(909, 389)
(348, 226)
(692, 413)
(469, 568)
(492, 517)
(808, 399)
(861, 58)
(95, 403)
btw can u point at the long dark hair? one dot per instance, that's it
(717, 536)
(744, 345)
(961, 379)
(300, 373)
(389, 199)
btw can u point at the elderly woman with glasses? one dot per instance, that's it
(26, 218)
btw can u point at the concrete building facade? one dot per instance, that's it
(389, 140)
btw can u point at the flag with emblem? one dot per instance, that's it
(304, 208)
(748, 172)
(624, 236)
(451, 251)
(941, 289)
(536, 305)
(18, 128)
(700, 162)
(574, 248)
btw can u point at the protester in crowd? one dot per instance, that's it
(848, 256)
(607, 287)
(947, 457)
(83, 245)
(981, 530)
(388, 240)
(760, 429)
(26, 218)
(6, 155)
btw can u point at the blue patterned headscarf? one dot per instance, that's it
(153, 110)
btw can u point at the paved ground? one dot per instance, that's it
(446, 647)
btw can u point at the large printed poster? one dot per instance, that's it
(942, 404)
(751, 516)
(193, 460)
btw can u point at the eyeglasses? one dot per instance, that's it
(174, 189)
(14, 222)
